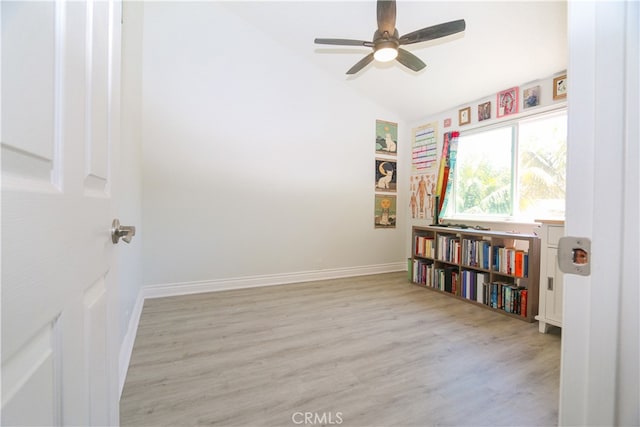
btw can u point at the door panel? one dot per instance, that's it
(28, 126)
(96, 347)
(97, 147)
(29, 381)
(60, 83)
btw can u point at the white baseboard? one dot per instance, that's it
(187, 288)
(129, 339)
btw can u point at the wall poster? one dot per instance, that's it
(386, 137)
(385, 211)
(386, 175)
(425, 147)
(422, 195)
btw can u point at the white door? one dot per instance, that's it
(601, 328)
(60, 125)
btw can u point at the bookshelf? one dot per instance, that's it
(492, 269)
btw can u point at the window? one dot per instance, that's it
(514, 170)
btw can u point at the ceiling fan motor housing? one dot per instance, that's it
(382, 40)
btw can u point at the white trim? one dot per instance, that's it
(188, 288)
(126, 348)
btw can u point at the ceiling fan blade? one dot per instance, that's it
(361, 64)
(433, 32)
(344, 42)
(409, 60)
(387, 16)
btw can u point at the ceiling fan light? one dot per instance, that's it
(385, 54)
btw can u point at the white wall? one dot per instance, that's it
(255, 162)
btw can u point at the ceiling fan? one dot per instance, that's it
(386, 42)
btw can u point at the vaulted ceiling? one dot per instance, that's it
(506, 43)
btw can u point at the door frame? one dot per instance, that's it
(599, 361)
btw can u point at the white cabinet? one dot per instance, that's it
(551, 278)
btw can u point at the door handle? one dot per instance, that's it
(125, 231)
(574, 255)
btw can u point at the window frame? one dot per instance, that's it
(514, 216)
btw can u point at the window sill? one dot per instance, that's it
(498, 224)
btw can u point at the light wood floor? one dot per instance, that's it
(366, 351)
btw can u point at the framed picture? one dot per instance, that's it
(386, 137)
(464, 116)
(531, 97)
(484, 111)
(447, 123)
(507, 102)
(386, 175)
(560, 87)
(385, 211)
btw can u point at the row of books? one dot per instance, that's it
(474, 253)
(423, 273)
(514, 262)
(509, 297)
(472, 282)
(424, 246)
(449, 249)
(445, 279)
(472, 285)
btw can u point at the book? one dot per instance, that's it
(454, 281)
(469, 288)
(487, 293)
(481, 279)
(508, 298)
(494, 295)
(519, 263)
(523, 302)
(486, 250)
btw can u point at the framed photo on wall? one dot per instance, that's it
(464, 116)
(507, 102)
(386, 137)
(531, 97)
(560, 87)
(484, 111)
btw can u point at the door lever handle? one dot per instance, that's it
(125, 231)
